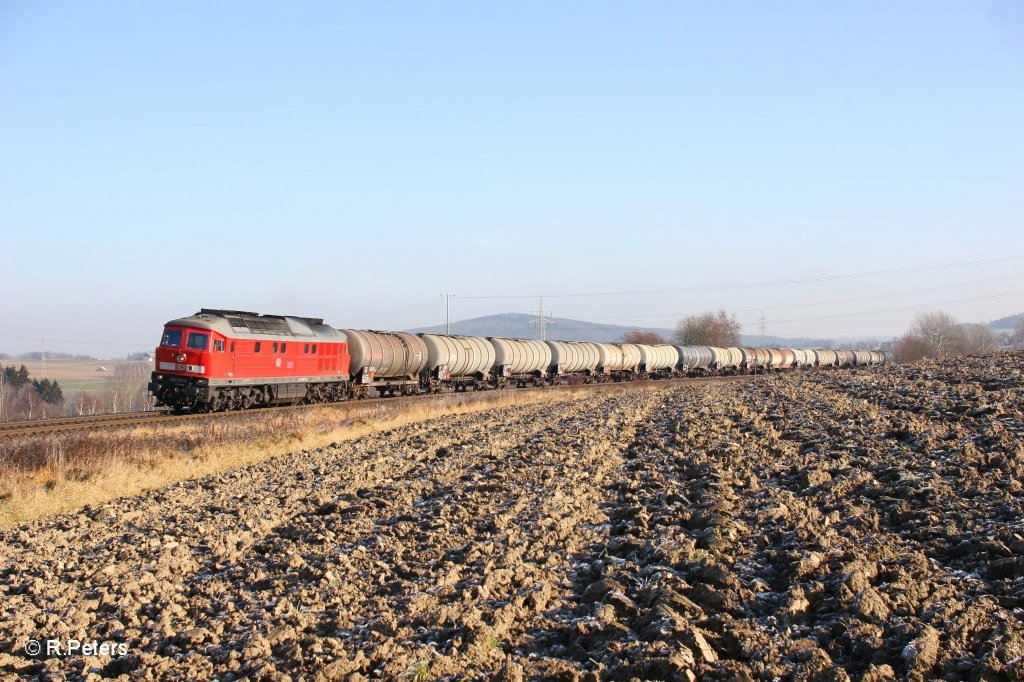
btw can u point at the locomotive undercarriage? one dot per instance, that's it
(193, 394)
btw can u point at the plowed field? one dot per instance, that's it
(848, 524)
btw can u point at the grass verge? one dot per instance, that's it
(45, 475)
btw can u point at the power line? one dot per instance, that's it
(77, 341)
(833, 301)
(769, 283)
(393, 311)
(1005, 294)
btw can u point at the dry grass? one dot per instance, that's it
(45, 475)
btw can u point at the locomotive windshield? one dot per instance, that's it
(197, 341)
(172, 338)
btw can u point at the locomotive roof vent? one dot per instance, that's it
(270, 325)
(224, 313)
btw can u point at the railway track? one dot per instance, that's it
(46, 426)
(85, 422)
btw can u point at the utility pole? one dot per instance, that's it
(763, 327)
(448, 312)
(541, 321)
(43, 355)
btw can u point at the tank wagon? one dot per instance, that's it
(573, 357)
(804, 357)
(756, 358)
(826, 358)
(617, 360)
(695, 359)
(520, 360)
(783, 358)
(658, 360)
(228, 359)
(458, 361)
(734, 359)
(391, 362)
(861, 358)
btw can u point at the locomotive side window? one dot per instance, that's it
(257, 347)
(306, 349)
(232, 346)
(284, 347)
(314, 349)
(275, 347)
(218, 345)
(172, 338)
(197, 341)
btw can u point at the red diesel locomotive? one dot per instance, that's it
(229, 359)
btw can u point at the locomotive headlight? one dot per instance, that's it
(180, 358)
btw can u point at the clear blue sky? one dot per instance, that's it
(344, 159)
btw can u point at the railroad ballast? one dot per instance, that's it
(229, 360)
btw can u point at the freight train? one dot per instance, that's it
(230, 360)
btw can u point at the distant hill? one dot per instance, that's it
(1008, 323)
(517, 325)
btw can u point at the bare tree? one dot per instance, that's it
(941, 330)
(649, 338)
(29, 405)
(1018, 332)
(709, 329)
(911, 348)
(84, 402)
(978, 339)
(127, 388)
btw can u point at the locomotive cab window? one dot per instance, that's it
(218, 345)
(232, 346)
(197, 341)
(257, 350)
(172, 338)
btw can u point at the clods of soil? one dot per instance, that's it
(861, 525)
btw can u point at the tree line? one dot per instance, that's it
(708, 329)
(50, 355)
(49, 391)
(22, 397)
(932, 335)
(939, 335)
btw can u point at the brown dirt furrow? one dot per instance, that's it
(128, 567)
(827, 525)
